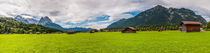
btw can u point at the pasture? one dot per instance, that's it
(107, 42)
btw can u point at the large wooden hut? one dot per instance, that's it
(190, 26)
(129, 30)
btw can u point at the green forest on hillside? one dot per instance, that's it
(9, 26)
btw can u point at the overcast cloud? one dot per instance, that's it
(78, 11)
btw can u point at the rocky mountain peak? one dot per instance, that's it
(159, 7)
(45, 20)
(18, 17)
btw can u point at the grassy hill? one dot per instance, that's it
(9, 25)
(107, 42)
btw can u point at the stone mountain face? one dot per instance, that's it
(25, 20)
(45, 20)
(159, 16)
(32, 21)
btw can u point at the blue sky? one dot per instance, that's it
(133, 13)
(102, 18)
(98, 19)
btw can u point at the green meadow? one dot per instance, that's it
(107, 42)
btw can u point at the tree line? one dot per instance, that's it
(205, 27)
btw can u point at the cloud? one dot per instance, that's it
(96, 25)
(76, 11)
(208, 19)
(201, 7)
(79, 11)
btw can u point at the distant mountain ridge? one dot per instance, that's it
(47, 22)
(159, 16)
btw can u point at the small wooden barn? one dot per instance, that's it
(70, 32)
(190, 26)
(129, 30)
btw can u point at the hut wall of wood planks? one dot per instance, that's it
(190, 26)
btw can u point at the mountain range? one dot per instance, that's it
(9, 25)
(45, 21)
(159, 16)
(156, 16)
(26, 20)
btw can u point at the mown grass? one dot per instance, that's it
(107, 42)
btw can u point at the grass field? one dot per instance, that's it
(107, 42)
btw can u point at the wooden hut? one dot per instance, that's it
(70, 32)
(38, 32)
(92, 31)
(129, 30)
(190, 26)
